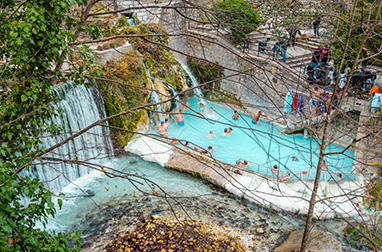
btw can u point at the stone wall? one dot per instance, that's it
(101, 57)
(258, 83)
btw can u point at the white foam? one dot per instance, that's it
(150, 149)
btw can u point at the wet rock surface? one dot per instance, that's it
(118, 218)
(318, 241)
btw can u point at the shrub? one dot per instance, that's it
(238, 16)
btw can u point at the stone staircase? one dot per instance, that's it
(298, 58)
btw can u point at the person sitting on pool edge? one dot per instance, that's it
(202, 106)
(180, 118)
(211, 134)
(275, 169)
(245, 164)
(235, 116)
(256, 117)
(174, 141)
(225, 132)
(208, 151)
(285, 178)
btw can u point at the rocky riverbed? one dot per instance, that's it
(258, 230)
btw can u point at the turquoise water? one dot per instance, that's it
(253, 143)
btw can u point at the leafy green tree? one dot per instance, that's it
(363, 21)
(238, 16)
(33, 37)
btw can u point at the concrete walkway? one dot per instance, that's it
(263, 190)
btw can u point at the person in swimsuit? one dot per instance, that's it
(162, 130)
(225, 132)
(282, 179)
(245, 164)
(256, 117)
(275, 169)
(229, 131)
(235, 116)
(174, 141)
(211, 134)
(202, 106)
(180, 118)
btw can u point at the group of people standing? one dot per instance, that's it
(318, 70)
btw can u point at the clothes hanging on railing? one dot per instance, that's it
(295, 103)
(300, 104)
(288, 102)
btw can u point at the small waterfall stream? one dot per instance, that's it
(81, 107)
(194, 81)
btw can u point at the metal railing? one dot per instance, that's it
(296, 175)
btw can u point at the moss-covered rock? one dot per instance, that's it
(126, 91)
(160, 62)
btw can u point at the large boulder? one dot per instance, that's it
(318, 241)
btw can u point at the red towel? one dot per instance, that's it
(295, 102)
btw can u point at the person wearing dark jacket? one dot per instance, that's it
(292, 34)
(316, 26)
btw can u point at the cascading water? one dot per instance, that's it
(130, 22)
(173, 93)
(154, 98)
(81, 107)
(194, 81)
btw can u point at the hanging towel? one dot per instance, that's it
(288, 103)
(300, 104)
(295, 103)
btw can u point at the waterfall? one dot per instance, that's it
(173, 92)
(194, 81)
(130, 22)
(81, 107)
(154, 98)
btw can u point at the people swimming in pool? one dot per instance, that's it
(211, 134)
(245, 164)
(225, 132)
(162, 130)
(304, 173)
(235, 116)
(294, 158)
(324, 165)
(339, 176)
(229, 131)
(275, 169)
(256, 117)
(166, 122)
(208, 152)
(180, 118)
(284, 178)
(174, 141)
(202, 107)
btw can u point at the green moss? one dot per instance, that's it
(159, 61)
(124, 94)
